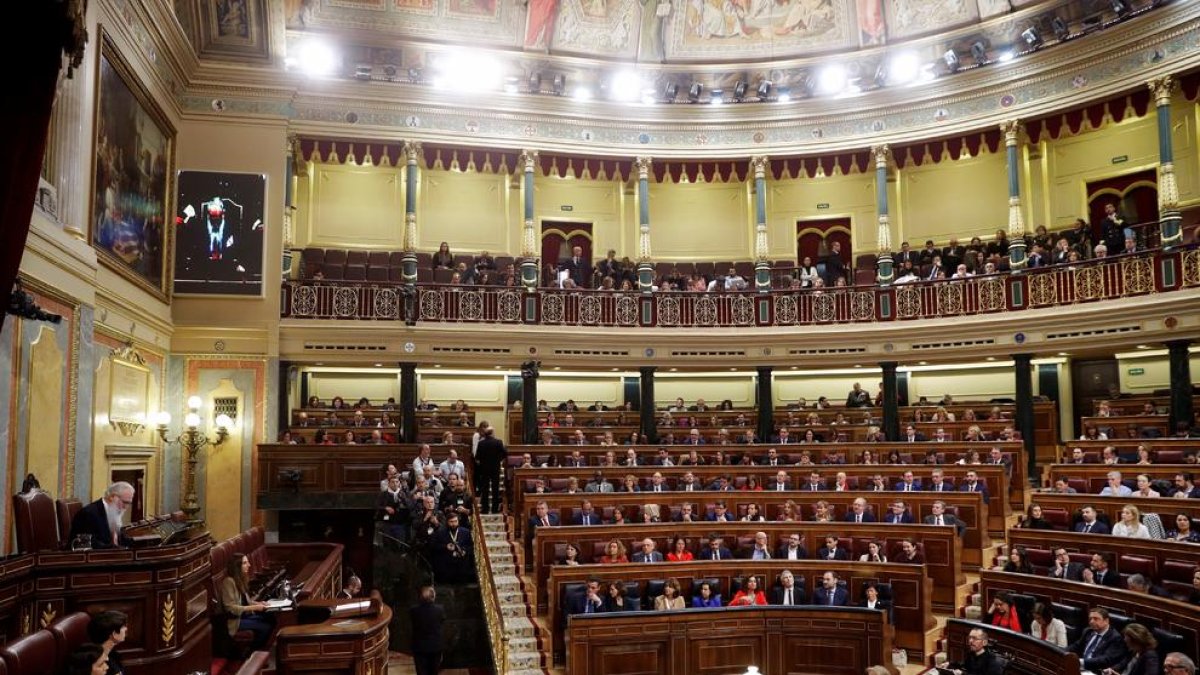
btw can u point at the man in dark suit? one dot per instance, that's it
(542, 518)
(1100, 646)
(814, 483)
(953, 254)
(575, 460)
(858, 512)
(781, 482)
(908, 483)
(720, 513)
(831, 594)
(1089, 524)
(784, 437)
(792, 550)
(1102, 572)
(427, 621)
(716, 550)
(587, 515)
(835, 267)
(938, 483)
(489, 457)
(898, 514)
(973, 484)
(906, 254)
(578, 268)
(772, 459)
(911, 435)
(588, 602)
(940, 517)
(831, 550)
(647, 554)
(980, 660)
(597, 407)
(1063, 568)
(102, 518)
(787, 593)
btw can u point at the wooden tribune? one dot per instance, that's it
(1031, 656)
(830, 641)
(337, 646)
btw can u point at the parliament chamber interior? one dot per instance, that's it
(568, 337)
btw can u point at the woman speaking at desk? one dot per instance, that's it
(235, 599)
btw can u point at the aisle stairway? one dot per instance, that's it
(524, 656)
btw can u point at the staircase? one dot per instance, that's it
(513, 611)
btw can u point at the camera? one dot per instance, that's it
(22, 304)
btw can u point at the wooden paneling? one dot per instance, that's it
(1031, 655)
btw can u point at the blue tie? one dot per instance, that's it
(1091, 646)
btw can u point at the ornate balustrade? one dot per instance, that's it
(1056, 286)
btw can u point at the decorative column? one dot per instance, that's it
(762, 267)
(529, 238)
(645, 267)
(1016, 222)
(529, 401)
(648, 419)
(766, 405)
(891, 402)
(408, 262)
(1023, 369)
(408, 402)
(1181, 384)
(64, 146)
(291, 151)
(1169, 217)
(886, 272)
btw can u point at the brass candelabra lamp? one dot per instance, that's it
(192, 440)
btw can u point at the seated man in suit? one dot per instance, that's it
(720, 513)
(938, 482)
(773, 459)
(814, 484)
(542, 518)
(908, 483)
(898, 514)
(647, 554)
(973, 484)
(938, 516)
(1063, 567)
(858, 512)
(787, 593)
(831, 550)
(781, 482)
(1101, 646)
(716, 550)
(1102, 573)
(911, 435)
(909, 553)
(102, 518)
(831, 594)
(1090, 524)
(588, 602)
(598, 484)
(784, 437)
(587, 515)
(792, 550)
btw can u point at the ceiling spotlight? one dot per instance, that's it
(979, 52)
(317, 58)
(362, 71)
(831, 79)
(559, 84)
(739, 90)
(671, 91)
(535, 83)
(951, 59)
(648, 96)
(1032, 37)
(582, 94)
(694, 91)
(625, 86)
(716, 96)
(468, 71)
(903, 68)
(1006, 56)
(1120, 7)
(783, 94)
(512, 84)
(389, 71)
(1061, 30)
(414, 75)
(764, 90)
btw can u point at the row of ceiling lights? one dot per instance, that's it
(469, 71)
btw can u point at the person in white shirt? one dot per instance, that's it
(1045, 627)
(1144, 489)
(1131, 524)
(452, 466)
(961, 273)
(1115, 488)
(424, 459)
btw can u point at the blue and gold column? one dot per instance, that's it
(886, 273)
(408, 262)
(762, 266)
(1016, 221)
(529, 238)
(289, 200)
(1169, 218)
(645, 267)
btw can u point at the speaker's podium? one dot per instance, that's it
(336, 636)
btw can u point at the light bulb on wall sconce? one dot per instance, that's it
(194, 402)
(163, 418)
(224, 421)
(191, 420)
(191, 440)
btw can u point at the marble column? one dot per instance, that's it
(1181, 384)
(408, 402)
(1016, 221)
(891, 402)
(766, 404)
(291, 152)
(529, 401)
(412, 155)
(1169, 218)
(645, 267)
(529, 238)
(886, 272)
(65, 146)
(1023, 370)
(647, 415)
(762, 266)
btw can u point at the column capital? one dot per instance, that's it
(759, 164)
(1182, 343)
(647, 370)
(881, 153)
(643, 167)
(412, 151)
(765, 370)
(1012, 131)
(1018, 359)
(888, 365)
(292, 145)
(1162, 88)
(529, 160)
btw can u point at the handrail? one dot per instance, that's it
(1113, 277)
(491, 599)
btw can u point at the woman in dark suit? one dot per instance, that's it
(706, 596)
(1143, 659)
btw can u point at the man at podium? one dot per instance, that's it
(102, 518)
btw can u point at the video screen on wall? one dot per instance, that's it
(219, 223)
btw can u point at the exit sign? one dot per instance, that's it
(822, 206)
(567, 207)
(1137, 371)
(1120, 159)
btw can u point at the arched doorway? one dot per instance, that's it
(1136, 197)
(558, 239)
(815, 237)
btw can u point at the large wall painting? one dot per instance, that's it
(730, 29)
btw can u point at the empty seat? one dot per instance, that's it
(70, 631)
(864, 277)
(333, 271)
(66, 509)
(355, 273)
(356, 257)
(335, 256)
(377, 259)
(35, 518)
(442, 276)
(33, 653)
(1128, 565)
(378, 274)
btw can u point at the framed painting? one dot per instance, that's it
(219, 224)
(131, 173)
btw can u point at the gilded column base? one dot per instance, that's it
(529, 274)
(886, 273)
(762, 276)
(645, 270)
(1017, 260)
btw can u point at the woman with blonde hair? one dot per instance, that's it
(1131, 524)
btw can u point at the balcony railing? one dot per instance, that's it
(1056, 286)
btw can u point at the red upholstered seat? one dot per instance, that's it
(36, 521)
(69, 632)
(34, 653)
(1128, 565)
(66, 509)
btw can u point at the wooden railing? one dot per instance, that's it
(1059, 285)
(497, 636)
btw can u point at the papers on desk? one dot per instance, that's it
(278, 605)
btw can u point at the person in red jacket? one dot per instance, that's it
(1004, 614)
